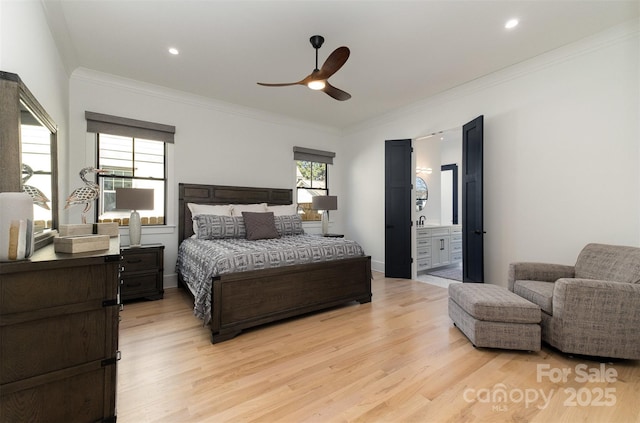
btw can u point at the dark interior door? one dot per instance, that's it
(398, 202)
(472, 214)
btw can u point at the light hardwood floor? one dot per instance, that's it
(396, 359)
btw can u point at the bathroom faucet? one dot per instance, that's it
(421, 221)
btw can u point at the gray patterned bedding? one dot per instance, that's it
(200, 260)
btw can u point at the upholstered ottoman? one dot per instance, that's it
(494, 317)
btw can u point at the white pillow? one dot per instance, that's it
(197, 209)
(287, 210)
(237, 209)
(216, 210)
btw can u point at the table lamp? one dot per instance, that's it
(324, 203)
(134, 199)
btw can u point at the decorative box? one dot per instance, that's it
(81, 244)
(75, 230)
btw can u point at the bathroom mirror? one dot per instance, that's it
(422, 193)
(29, 161)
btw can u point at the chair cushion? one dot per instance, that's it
(540, 293)
(609, 263)
(493, 303)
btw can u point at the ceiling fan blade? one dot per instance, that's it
(333, 63)
(336, 93)
(286, 84)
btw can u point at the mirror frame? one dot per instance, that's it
(14, 92)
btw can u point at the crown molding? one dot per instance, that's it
(177, 96)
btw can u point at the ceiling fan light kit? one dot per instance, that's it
(318, 78)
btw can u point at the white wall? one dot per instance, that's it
(562, 156)
(27, 49)
(561, 153)
(215, 143)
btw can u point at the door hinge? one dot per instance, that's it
(109, 303)
(112, 360)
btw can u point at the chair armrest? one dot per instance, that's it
(597, 301)
(545, 272)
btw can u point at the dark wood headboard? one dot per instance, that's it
(220, 194)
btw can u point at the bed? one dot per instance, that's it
(245, 299)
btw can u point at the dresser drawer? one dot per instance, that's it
(456, 236)
(55, 342)
(456, 256)
(456, 247)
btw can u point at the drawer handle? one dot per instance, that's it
(134, 261)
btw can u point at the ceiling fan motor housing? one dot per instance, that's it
(317, 41)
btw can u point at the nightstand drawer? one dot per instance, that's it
(138, 284)
(136, 261)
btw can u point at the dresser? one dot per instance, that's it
(438, 246)
(141, 274)
(59, 336)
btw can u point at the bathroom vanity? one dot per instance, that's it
(438, 246)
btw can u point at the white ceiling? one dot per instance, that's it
(401, 51)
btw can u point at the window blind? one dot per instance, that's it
(311, 155)
(115, 125)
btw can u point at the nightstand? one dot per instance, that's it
(141, 272)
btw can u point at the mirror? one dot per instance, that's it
(437, 157)
(422, 193)
(29, 164)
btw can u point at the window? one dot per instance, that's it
(311, 178)
(132, 153)
(131, 163)
(311, 181)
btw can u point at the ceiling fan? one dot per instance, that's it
(317, 80)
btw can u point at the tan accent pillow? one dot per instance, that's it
(287, 210)
(260, 225)
(237, 209)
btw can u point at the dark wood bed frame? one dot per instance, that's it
(247, 299)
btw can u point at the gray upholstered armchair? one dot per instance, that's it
(592, 308)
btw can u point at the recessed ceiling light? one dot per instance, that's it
(511, 23)
(173, 51)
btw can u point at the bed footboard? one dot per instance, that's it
(247, 299)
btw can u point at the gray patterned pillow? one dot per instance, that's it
(219, 227)
(289, 225)
(260, 225)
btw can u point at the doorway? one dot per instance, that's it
(460, 158)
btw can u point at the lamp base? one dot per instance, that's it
(325, 222)
(135, 229)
